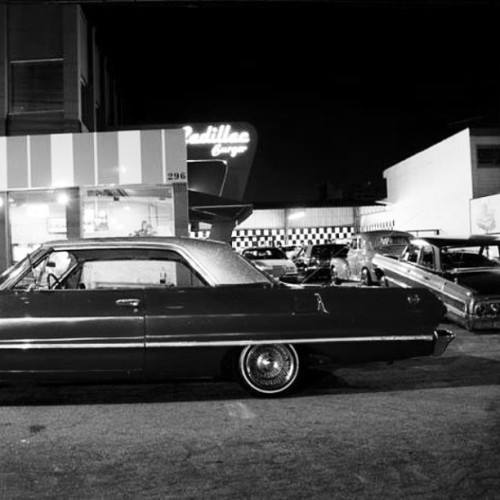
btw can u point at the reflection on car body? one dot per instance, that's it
(158, 308)
(463, 272)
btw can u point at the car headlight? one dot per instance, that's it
(487, 309)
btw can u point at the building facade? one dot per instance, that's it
(129, 183)
(433, 191)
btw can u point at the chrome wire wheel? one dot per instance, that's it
(269, 369)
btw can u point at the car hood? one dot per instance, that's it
(485, 281)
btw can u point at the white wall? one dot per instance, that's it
(299, 217)
(433, 189)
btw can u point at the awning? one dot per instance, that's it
(208, 208)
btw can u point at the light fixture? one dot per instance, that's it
(62, 199)
(296, 215)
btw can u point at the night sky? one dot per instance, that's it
(338, 91)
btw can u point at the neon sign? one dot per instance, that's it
(222, 138)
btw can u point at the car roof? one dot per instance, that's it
(474, 240)
(135, 241)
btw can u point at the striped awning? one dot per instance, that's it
(90, 159)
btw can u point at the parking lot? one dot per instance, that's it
(423, 428)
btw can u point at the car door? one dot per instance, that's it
(422, 268)
(190, 331)
(70, 332)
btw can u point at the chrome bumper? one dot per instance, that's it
(441, 340)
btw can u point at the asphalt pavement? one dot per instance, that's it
(421, 428)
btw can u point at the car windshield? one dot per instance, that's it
(467, 257)
(264, 254)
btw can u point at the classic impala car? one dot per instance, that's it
(463, 272)
(156, 308)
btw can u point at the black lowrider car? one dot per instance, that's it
(463, 272)
(157, 308)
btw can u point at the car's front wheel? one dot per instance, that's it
(366, 278)
(269, 369)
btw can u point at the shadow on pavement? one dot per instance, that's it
(415, 374)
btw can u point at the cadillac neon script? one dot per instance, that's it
(224, 140)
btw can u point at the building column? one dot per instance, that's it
(222, 231)
(3, 70)
(5, 257)
(74, 214)
(72, 97)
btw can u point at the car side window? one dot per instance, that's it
(411, 254)
(49, 273)
(427, 257)
(136, 273)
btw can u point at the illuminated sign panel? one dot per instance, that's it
(222, 139)
(222, 151)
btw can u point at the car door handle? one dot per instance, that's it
(128, 303)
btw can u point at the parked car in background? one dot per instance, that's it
(273, 261)
(179, 308)
(291, 251)
(362, 249)
(321, 263)
(463, 272)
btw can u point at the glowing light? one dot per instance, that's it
(223, 139)
(62, 199)
(296, 215)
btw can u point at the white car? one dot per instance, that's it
(273, 261)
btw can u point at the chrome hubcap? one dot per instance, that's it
(270, 368)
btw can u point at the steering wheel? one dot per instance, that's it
(55, 284)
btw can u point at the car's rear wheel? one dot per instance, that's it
(269, 369)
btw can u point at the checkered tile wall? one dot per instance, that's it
(244, 238)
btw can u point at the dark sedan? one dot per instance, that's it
(157, 308)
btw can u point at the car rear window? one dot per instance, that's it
(330, 251)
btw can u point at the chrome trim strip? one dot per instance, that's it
(23, 345)
(69, 319)
(218, 343)
(75, 339)
(396, 282)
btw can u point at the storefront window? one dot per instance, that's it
(128, 211)
(36, 217)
